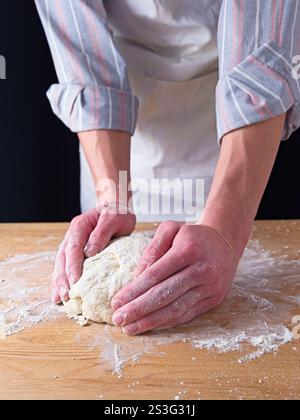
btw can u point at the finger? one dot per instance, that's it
(192, 313)
(101, 235)
(59, 280)
(77, 238)
(161, 295)
(172, 262)
(161, 243)
(180, 311)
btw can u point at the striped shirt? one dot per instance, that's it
(258, 41)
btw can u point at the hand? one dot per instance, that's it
(88, 234)
(186, 271)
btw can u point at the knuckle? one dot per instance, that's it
(189, 249)
(161, 294)
(152, 275)
(127, 295)
(185, 229)
(58, 282)
(168, 225)
(112, 218)
(190, 315)
(153, 249)
(77, 221)
(94, 242)
(142, 265)
(133, 312)
(177, 308)
(102, 233)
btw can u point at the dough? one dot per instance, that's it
(104, 275)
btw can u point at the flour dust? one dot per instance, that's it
(256, 314)
(25, 291)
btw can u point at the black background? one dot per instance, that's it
(39, 167)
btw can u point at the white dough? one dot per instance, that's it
(104, 275)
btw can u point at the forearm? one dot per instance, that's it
(93, 92)
(108, 153)
(245, 163)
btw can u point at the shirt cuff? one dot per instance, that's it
(82, 107)
(257, 89)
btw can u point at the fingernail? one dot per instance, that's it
(87, 251)
(116, 304)
(118, 319)
(90, 251)
(55, 298)
(130, 329)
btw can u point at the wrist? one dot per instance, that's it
(108, 155)
(231, 221)
(114, 206)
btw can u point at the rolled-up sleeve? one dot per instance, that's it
(257, 41)
(93, 90)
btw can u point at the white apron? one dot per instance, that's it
(171, 54)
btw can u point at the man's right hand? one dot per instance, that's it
(87, 235)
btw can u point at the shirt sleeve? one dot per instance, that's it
(93, 90)
(257, 42)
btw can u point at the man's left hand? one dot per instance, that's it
(186, 271)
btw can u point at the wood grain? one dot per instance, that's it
(49, 362)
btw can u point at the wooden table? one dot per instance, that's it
(47, 362)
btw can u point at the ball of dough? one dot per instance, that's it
(104, 275)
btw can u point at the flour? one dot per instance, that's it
(118, 362)
(267, 343)
(25, 291)
(252, 321)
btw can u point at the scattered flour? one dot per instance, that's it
(118, 362)
(253, 320)
(24, 295)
